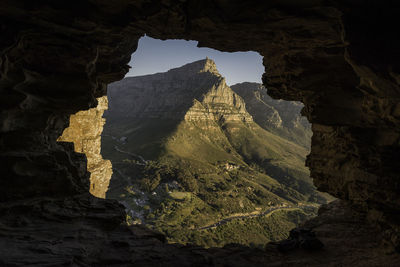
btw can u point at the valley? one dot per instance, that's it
(205, 163)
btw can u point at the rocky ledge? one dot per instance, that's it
(195, 91)
(340, 58)
(87, 231)
(84, 130)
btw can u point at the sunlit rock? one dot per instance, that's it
(85, 128)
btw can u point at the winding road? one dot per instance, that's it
(253, 215)
(143, 161)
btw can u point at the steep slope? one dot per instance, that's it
(190, 161)
(277, 116)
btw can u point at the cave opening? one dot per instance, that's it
(194, 148)
(340, 58)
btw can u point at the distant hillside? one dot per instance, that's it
(188, 155)
(277, 116)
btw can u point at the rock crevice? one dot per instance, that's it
(84, 130)
(340, 58)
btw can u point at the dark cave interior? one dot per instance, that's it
(340, 58)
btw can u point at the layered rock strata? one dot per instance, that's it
(195, 91)
(283, 117)
(215, 133)
(84, 130)
(340, 58)
(87, 232)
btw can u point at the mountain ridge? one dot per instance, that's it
(206, 158)
(163, 99)
(278, 116)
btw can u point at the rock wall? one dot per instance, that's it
(194, 91)
(282, 117)
(340, 58)
(268, 112)
(220, 103)
(84, 130)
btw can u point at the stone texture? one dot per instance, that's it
(274, 115)
(195, 91)
(86, 232)
(84, 130)
(340, 58)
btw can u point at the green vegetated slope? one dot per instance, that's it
(190, 162)
(277, 116)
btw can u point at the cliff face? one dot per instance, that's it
(219, 103)
(282, 117)
(194, 91)
(340, 58)
(194, 155)
(84, 130)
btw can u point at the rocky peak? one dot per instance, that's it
(279, 116)
(262, 106)
(340, 57)
(195, 91)
(209, 65)
(203, 65)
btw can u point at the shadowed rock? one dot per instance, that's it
(340, 58)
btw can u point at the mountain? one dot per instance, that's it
(277, 116)
(190, 161)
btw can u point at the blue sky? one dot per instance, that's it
(154, 56)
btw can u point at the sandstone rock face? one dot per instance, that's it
(170, 95)
(214, 135)
(340, 58)
(89, 234)
(85, 128)
(279, 116)
(220, 103)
